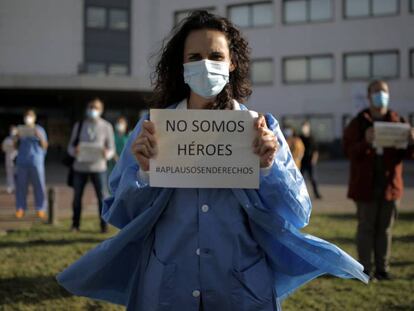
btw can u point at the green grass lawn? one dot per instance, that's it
(29, 261)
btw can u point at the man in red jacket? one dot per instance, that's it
(375, 183)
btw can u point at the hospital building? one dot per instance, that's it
(310, 59)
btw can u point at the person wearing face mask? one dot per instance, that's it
(310, 157)
(205, 249)
(10, 153)
(30, 166)
(375, 182)
(296, 146)
(121, 137)
(99, 132)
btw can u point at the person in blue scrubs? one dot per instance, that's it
(206, 249)
(30, 165)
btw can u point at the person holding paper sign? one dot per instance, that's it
(205, 248)
(8, 146)
(375, 183)
(30, 165)
(95, 147)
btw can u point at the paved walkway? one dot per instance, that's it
(332, 176)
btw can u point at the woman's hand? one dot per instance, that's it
(265, 144)
(145, 146)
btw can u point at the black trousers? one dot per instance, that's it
(308, 168)
(79, 182)
(374, 234)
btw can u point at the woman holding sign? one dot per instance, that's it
(202, 248)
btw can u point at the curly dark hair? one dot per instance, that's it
(168, 80)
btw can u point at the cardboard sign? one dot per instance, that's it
(90, 152)
(204, 149)
(26, 131)
(391, 135)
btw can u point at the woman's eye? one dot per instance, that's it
(216, 57)
(194, 58)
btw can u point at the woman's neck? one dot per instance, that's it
(197, 102)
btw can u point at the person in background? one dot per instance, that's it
(121, 137)
(375, 182)
(97, 132)
(10, 153)
(30, 165)
(310, 157)
(296, 146)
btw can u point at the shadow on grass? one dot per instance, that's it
(402, 216)
(406, 216)
(348, 216)
(352, 240)
(404, 239)
(30, 290)
(60, 242)
(402, 263)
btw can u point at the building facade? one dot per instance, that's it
(311, 59)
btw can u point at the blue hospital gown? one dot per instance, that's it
(232, 249)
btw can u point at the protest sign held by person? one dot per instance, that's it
(205, 248)
(375, 182)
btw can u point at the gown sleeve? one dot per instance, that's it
(283, 187)
(130, 194)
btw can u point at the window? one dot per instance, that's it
(118, 19)
(323, 128)
(367, 8)
(118, 69)
(308, 69)
(322, 125)
(252, 14)
(371, 65)
(306, 11)
(261, 71)
(95, 17)
(412, 63)
(96, 68)
(180, 15)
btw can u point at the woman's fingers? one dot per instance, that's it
(260, 122)
(145, 145)
(143, 161)
(148, 126)
(265, 144)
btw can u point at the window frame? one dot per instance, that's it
(309, 117)
(308, 77)
(128, 69)
(106, 17)
(95, 74)
(176, 13)
(371, 67)
(308, 17)
(262, 59)
(250, 5)
(370, 14)
(84, 70)
(128, 16)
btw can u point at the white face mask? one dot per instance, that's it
(206, 78)
(306, 130)
(93, 113)
(29, 120)
(120, 127)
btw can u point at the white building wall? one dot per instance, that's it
(41, 37)
(41, 45)
(336, 37)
